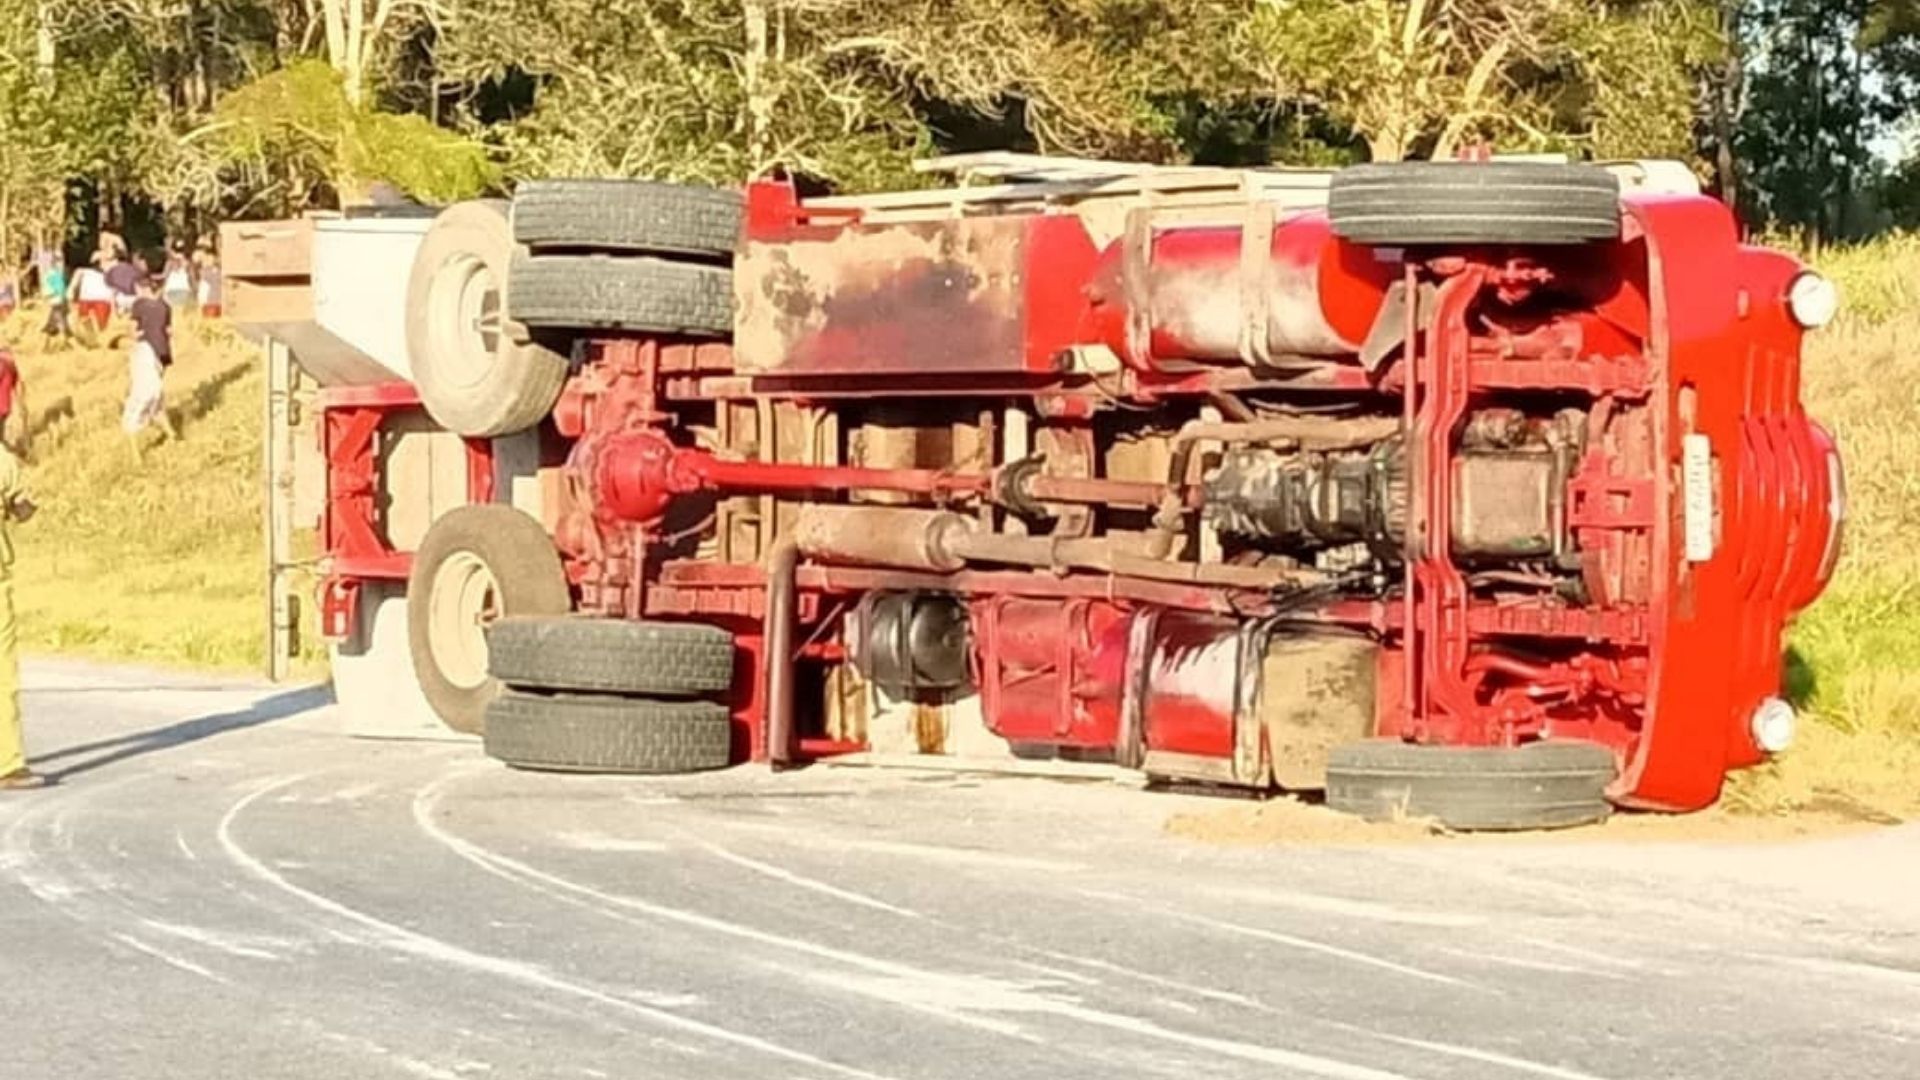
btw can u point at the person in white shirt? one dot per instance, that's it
(92, 298)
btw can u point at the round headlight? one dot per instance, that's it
(1812, 300)
(1773, 725)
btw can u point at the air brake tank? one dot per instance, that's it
(1196, 293)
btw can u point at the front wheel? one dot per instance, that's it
(476, 565)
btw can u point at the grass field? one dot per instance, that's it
(154, 557)
(158, 558)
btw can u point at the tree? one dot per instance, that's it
(843, 90)
(1419, 77)
(293, 140)
(360, 33)
(1826, 80)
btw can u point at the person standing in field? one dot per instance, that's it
(16, 506)
(177, 288)
(53, 287)
(147, 362)
(206, 269)
(92, 298)
(124, 277)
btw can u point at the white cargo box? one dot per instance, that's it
(360, 270)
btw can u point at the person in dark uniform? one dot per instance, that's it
(147, 362)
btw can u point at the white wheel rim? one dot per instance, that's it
(463, 312)
(462, 602)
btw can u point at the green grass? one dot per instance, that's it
(155, 557)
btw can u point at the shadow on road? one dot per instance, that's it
(108, 751)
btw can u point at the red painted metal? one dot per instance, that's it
(1190, 688)
(1712, 301)
(351, 421)
(638, 474)
(1166, 299)
(1438, 696)
(356, 548)
(1051, 672)
(381, 395)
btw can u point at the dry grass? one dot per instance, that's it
(1855, 664)
(156, 557)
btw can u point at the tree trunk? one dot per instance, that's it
(335, 14)
(759, 94)
(45, 45)
(1726, 106)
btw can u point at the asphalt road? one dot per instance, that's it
(223, 886)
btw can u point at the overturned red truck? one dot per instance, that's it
(1475, 491)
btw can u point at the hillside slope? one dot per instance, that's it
(153, 556)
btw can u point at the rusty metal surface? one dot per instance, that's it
(1506, 504)
(879, 536)
(937, 296)
(1316, 692)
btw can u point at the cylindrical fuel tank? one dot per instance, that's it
(1163, 299)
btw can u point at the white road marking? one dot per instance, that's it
(1055, 973)
(232, 945)
(1352, 909)
(1291, 941)
(1593, 955)
(180, 841)
(1208, 992)
(415, 943)
(167, 958)
(582, 841)
(1847, 968)
(991, 860)
(1310, 945)
(954, 996)
(1532, 965)
(810, 884)
(1489, 1057)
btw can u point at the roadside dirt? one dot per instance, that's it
(1293, 822)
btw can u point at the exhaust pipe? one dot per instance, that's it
(776, 639)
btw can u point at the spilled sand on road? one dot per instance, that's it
(1288, 821)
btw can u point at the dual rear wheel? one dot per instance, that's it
(498, 655)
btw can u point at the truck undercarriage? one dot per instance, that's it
(1481, 492)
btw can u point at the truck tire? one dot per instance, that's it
(474, 378)
(1544, 785)
(476, 564)
(614, 656)
(603, 292)
(637, 216)
(598, 734)
(1464, 202)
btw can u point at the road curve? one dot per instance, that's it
(223, 885)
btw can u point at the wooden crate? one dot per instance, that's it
(267, 249)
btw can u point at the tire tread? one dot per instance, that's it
(600, 292)
(621, 656)
(602, 734)
(642, 216)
